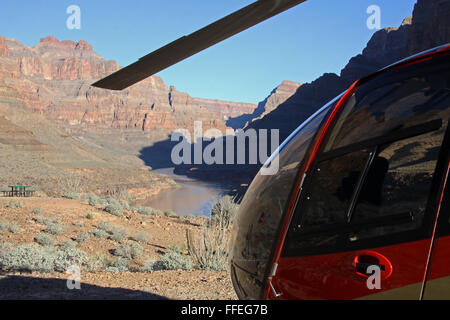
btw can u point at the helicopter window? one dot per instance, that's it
(366, 194)
(398, 183)
(332, 187)
(393, 101)
(262, 209)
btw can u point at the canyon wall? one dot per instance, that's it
(53, 78)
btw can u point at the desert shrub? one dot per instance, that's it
(112, 201)
(173, 259)
(118, 234)
(46, 220)
(14, 204)
(117, 265)
(142, 236)
(72, 183)
(94, 199)
(116, 210)
(37, 211)
(211, 249)
(5, 248)
(96, 262)
(55, 229)
(54, 219)
(13, 227)
(224, 211)
(39, 219)
(153, 265)
(79, 224)
(82, 237)
(69, 244)
(129, 250)
(125, 205)
(174, 248)
(98, 233)
(105, 225)
(30, 257)
(168, 213)
(72, 195)
(143, 210)
(89, 216)
(45, 240)
(9, 226)
(103, 203)
(68, 256)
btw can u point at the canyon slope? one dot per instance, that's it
(56, 128)
(278, 96)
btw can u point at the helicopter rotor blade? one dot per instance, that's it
(197, 41)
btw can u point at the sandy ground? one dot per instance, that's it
(165, 231)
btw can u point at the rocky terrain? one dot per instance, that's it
(55, 127)
(60, 135)
(83, 230)
(278, 95)
(35, 151)
(228, 108)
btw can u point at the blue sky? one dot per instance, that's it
(300, 44)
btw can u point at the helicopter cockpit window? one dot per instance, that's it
(262, 209)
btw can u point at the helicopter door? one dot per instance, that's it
(364, 220)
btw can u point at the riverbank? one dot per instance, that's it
(191, 196)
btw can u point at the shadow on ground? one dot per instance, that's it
(30, 288)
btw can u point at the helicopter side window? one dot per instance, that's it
(332, 187)
(395, 192)
(365, 195)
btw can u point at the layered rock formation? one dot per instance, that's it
(3, 47)
(229, 109)
(278, 95)
(53, 78)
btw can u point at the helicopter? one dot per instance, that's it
(359, 208)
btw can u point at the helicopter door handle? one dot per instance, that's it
(361, 267)
(367, 259)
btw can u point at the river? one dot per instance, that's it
(192, 197)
